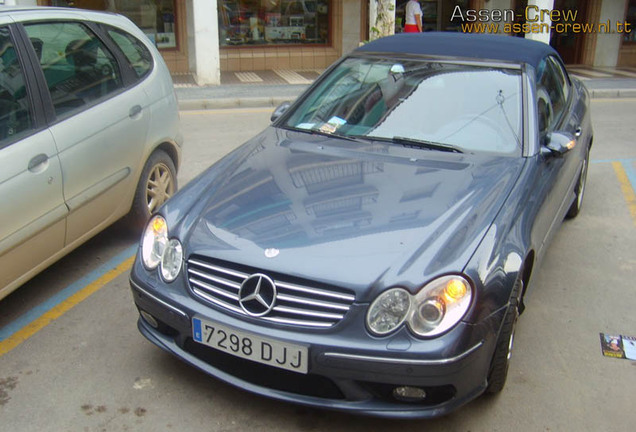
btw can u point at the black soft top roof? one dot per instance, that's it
(464, 45)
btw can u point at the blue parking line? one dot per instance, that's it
(63, 295)
(624, 161)
(631, 174)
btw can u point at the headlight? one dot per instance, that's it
(157, 249)
(388, 311)
(154, 242)
(171, 260)
(437, 307)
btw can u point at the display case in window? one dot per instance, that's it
(247, 22)
(156, 18)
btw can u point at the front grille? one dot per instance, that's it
(298, 302)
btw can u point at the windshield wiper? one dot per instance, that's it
(412, 142)
(317, 131)
(426, 144)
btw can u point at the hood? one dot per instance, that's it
(355, 215)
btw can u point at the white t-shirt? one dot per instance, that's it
(412, 8)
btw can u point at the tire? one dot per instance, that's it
(501, 357)
(575, 208)
(157, 183)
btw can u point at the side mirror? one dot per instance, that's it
(280, 110)
(559, 143)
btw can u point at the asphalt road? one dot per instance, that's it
(71, 357)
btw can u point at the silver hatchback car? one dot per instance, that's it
(89, 132)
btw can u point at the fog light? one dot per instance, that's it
(409, 394)
(149, 319)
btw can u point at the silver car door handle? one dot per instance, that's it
(134, 111)
(578, 132)
(38, 163)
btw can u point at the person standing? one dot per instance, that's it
(413, 22)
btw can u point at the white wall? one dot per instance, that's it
(608, 45)
(351, 13)
(192, 65)
(541, 4)
(20, 2)
(203, 42)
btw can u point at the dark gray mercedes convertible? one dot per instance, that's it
(371, 249)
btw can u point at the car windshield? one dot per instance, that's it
(432, 104)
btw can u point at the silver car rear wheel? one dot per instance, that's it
(158, 182)
(159, 186)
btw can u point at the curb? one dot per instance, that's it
(239, 102)
(612, 93)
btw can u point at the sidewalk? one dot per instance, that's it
(237, 95)
(271, 88)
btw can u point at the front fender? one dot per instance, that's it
(503, 254)
(494, 268)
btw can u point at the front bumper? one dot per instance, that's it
(345, 373)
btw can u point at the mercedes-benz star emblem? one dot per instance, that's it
(271, 252)
(257, 295)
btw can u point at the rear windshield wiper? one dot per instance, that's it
(412, 142)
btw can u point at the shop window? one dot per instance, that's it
(156, 18)
(273, 22)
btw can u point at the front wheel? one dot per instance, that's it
(501, 358)
(157, 183)
(575, 208)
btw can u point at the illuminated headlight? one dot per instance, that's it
(157, 249)
(388, 311)
(171, 260)
(154, 242)
(437, 307)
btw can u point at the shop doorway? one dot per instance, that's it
(569, 44)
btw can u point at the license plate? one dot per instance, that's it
(238, 343)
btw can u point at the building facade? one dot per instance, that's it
(205, 37)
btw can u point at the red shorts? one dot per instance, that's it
(410, 28)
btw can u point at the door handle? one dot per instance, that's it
(38, 163)
(578, 132)
(134, 111)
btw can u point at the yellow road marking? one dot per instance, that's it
(626, 187)
(29, 330)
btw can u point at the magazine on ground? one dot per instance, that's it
(618, 346)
